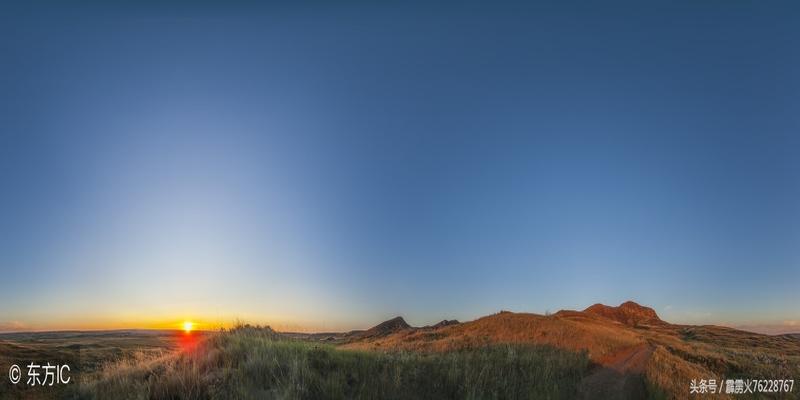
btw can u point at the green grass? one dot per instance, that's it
(256, 363)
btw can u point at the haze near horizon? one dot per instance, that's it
(327, 168)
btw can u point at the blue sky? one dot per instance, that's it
(326, 167)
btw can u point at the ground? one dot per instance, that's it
(601, 353)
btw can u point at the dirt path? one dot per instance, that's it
(618, 376)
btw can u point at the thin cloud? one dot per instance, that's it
(788, 326)
(11, 326)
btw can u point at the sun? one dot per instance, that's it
(188, 326)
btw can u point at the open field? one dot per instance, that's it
(621, 352)
(84, 352)
(250, 362)
(257, 363)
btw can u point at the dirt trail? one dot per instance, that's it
(619, 375)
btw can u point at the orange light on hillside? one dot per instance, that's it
(188, 326)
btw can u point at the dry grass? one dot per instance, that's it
(672, 374)
(506, 355)
(257, 363)
(571, 332)
(680, 353)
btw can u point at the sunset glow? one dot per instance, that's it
(539, 173)
(188, 326)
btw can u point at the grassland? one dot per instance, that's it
(625, 353)
(85, 352)
(633, 353)
(257, 363)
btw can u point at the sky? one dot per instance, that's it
(326, 167)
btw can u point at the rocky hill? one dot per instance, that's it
(628, 313)
(385, 328)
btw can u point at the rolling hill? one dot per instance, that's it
(629, 347)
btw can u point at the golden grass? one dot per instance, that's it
(575, 333)
(257, 364)
(680, 353)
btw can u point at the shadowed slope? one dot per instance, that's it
(383, 329)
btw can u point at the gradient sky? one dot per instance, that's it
(327, 167)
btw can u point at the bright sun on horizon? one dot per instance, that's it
(188, 326)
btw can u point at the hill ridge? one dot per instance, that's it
(629, 313)
(385, 328)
